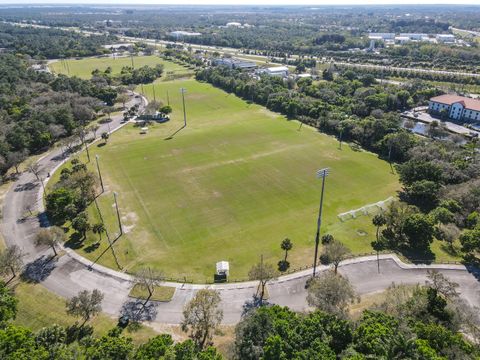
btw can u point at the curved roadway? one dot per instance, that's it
(71, 273)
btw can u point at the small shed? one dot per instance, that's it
(223, 268)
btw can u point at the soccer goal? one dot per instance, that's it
(370, 209)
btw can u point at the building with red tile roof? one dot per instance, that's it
(455, 107)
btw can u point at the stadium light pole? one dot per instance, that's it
(99, 173)
(118, 213)
(322, 173)
(183, 90)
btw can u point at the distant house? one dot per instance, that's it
(455, 107)
(414, 36)
(402, 39)
(233, 63)
(233, 24)
(40, 68)
(446, 38)
(275, 71)
(180, 34)
(381, 36)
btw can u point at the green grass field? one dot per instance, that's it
(38, 308)
(83, 68)
(230, 186)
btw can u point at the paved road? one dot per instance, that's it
(70, 273)
(409, 69)
(425, 117)
(238, 53)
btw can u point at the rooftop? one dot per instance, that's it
(277, 68)
(468, 103)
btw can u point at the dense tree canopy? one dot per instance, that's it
(44, 43)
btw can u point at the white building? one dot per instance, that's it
(381, 36)
(303, 76)
(179, 34)
(276, 71)
(402, 39)
(455, 107)
(234, 24)
(414, 36)
(233, 63)
(446, 38)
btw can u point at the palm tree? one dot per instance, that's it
(402, 348)
(286, 246)
(379, 221)
(98, 229)
(327, 239)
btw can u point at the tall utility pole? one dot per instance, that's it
(168, 99)
(131, 58)
(118, 213)
(322, 173)
(154, 97)
(183, 90)
(99, 173)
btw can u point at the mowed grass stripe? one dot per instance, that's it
(231, 186)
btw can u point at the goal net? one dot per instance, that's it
(370, 209)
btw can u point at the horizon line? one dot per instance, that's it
(249, 3)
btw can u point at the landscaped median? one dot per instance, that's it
(160, 293)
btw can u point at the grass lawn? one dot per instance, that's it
(38, 308)
(161, 293)
(230, 186)
(83, 68)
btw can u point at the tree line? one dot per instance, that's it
(37, 109)
(129, 75)
(76, 341)
(415, 322)
(44, 43)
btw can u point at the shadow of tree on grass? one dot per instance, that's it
(75, 241)
(92, 247)
(418, 256)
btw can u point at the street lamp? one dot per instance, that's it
(322, 173)
(183, 91)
